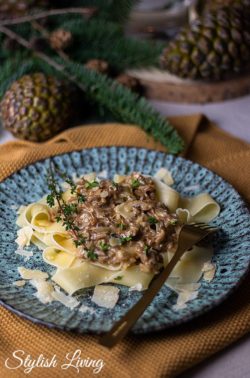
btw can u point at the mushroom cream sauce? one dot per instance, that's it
(123, 223)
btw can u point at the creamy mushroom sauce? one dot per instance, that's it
(124, 223)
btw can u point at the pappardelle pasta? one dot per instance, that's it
(119, 231)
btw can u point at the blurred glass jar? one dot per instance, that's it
(160, 19)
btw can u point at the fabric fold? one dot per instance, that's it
(164, 354)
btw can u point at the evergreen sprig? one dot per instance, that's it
(127, 107)
(99, 37)
(105, 93)
(110, 10)
(105, 40)
(66, 211)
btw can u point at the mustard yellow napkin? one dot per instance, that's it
(165, 354)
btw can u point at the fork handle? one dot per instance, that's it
(121, 328)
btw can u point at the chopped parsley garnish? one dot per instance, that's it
(146, 249)
(118, 278)
(91, 255)
(50, 200)
(152, 220)
(115, 184)
(80, 198)
(80, 241)
(104, 247)
(127, 169)
(58, 218)
(135, 183)
(91, 185)
(122, 226)
(125, 239)
(72, 185)
(69, 209)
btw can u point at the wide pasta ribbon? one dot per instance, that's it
(73, 274)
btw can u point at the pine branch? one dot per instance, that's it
(110, 10)
(105, 40)
(22, 41)
(53, 12)
(126, 106)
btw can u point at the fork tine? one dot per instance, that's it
(201, 226)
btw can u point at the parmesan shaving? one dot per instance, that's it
(209, 276)
(24, 253)
(209, 270)
(44, 290)
(136, 287)
(183, 298)
(30, 274)
(208, 266)
(66, 300)
(19, 283)
(24, 236)
(164, 175)
(105, 296)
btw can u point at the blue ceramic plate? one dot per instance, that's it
(231, 245)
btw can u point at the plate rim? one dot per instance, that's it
(152, 328)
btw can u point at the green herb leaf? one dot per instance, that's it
(135, 183)
(70, 209)
(92, 255)
(104, 247)
(152, 220)
(80, 241)
(127, 169)
(122, 226)
(58, 218)
(173, 222)
(92, 184)
(146, 249)
(118, 278)
(50, 200)
(125, 239)
(80, 198)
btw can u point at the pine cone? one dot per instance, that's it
(130, 82)
(213, 47)
(215, 4)
(97, 65)
(36, 107)
(60, 39)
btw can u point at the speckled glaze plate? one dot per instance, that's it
(231, 244)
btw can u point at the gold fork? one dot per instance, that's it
(190, 234)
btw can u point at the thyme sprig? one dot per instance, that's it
(66, 211)
(73, 186)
